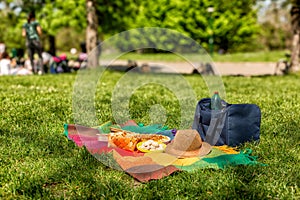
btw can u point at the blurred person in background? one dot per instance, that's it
(2, 47)
(5, 64)
(32, 31)
(47, 61)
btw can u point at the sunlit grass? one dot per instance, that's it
(38, 162)
(261, 56)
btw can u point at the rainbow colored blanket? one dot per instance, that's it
(148, 166)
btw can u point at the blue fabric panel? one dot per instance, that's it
(242, 122)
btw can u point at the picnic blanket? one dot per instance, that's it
(148, 166)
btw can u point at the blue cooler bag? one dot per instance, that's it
(238, 123)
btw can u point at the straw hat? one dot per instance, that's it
(188, 143)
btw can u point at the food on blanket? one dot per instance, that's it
(128, 140)
(151, 146)
(155, 137)
(143, 137)
(123, 140)
(165, 139)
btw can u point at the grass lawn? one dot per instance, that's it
(38, 162)
(261, 56)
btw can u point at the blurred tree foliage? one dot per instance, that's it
(53, 16)
(10, 33)
(276, 25)
(234, 24)
(115, 16)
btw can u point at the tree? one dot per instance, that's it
(295, 20)
(116, 16)
(274, 19)
(234, 23)
(294, 7)
(54, 15)
(11, 32)
(58, 14)
(51, 14)
(92, 33)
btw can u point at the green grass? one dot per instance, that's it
(261, 56)
(38, 162)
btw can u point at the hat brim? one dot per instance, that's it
(204, 150)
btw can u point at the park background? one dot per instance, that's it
(38, 162)
(231, 26)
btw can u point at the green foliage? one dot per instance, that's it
(38, 162)
(52, 15)
(154, 39)
(233, 24)
(236, 25)
(67, 38)
(57, 14)
(11, 30)
(278, 36)
(276, 29)
(115, 16)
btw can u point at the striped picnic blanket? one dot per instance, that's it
(148, 166)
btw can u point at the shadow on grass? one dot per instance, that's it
(70, 174)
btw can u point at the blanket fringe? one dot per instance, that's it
(227, 149)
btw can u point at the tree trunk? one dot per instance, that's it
(52, 45)
(91, 33)
(295, 15)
